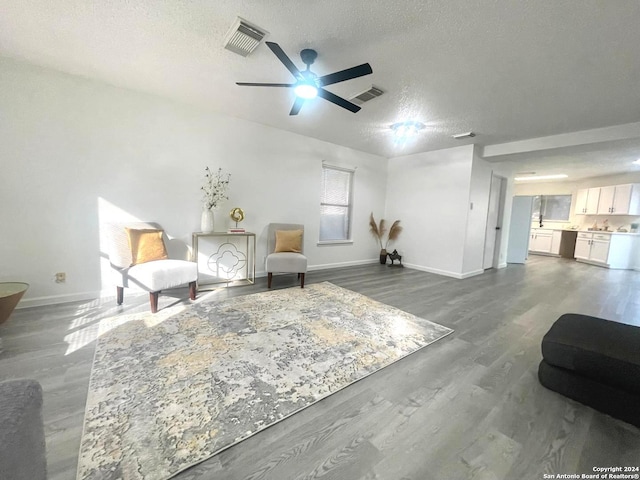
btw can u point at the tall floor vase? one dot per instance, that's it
(206, 220)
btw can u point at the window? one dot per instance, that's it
(335, 204)
(554, 208)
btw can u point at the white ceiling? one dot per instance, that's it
(508, 70)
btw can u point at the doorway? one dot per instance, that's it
(493, 235)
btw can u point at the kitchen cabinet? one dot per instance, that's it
(619, 200)
(581, 201)
(545, 241)
(587, 201)
(593, 247)
(583, 247)
(606, 249)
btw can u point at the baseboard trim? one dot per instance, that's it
(445, 273)
(356, 263)
(98, 294)
(55, 299)
(502, 265)
(437, 271)
(327, 266)
(471, 274)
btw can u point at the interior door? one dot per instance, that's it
(519, 229)
(493, 218)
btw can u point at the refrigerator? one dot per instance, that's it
(519, 230)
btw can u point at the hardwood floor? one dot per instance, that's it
(467, 407)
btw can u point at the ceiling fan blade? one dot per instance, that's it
(341, 102)
(348, 74)
(297, 105)
(275, 48)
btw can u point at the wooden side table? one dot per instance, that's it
(10, 295)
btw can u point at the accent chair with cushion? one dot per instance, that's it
(285, 247)
(139, 258)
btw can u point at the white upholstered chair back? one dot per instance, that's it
(118, 248)
(284, 262)
(271, 234)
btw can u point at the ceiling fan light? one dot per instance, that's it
(306, 91)
(541, 177)
(405, 130)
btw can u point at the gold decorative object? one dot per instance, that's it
(237, 215)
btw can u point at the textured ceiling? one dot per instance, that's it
(508, 70)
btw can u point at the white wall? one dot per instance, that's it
(76, 153)
(432, 193)
(480, 188)
(429, 192)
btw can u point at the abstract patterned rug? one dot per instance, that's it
(169, 390)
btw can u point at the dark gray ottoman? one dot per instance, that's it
(596, 362)
(22, 443)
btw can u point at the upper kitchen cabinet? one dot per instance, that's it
(612, 200)
(619, 200)
(587, 201)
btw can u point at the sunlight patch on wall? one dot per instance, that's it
(109, 213)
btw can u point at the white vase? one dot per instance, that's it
(206, 220)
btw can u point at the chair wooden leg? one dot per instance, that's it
(301, 280)
(192, 290)
(153, 300)
(119, 295)
(269, 277)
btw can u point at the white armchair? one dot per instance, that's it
(285, 247)
(147, 263)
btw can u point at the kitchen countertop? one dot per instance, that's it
(613, 232)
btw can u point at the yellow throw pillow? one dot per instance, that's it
(288, 241)
(146, 245)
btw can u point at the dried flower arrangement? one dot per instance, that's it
(215, 188)
(379, 231)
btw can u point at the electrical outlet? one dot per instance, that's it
(61, 277)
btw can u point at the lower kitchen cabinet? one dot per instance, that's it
(606, 249)
(545, 241)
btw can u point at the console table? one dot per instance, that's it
(223, 258)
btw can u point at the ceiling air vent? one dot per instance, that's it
(243, 37)
(367, 95)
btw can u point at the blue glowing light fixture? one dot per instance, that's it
(407, 129)
(306, 91)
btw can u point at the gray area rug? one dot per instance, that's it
(170, 390)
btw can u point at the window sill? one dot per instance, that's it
(334, 242)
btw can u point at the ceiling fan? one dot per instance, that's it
(308, 85)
